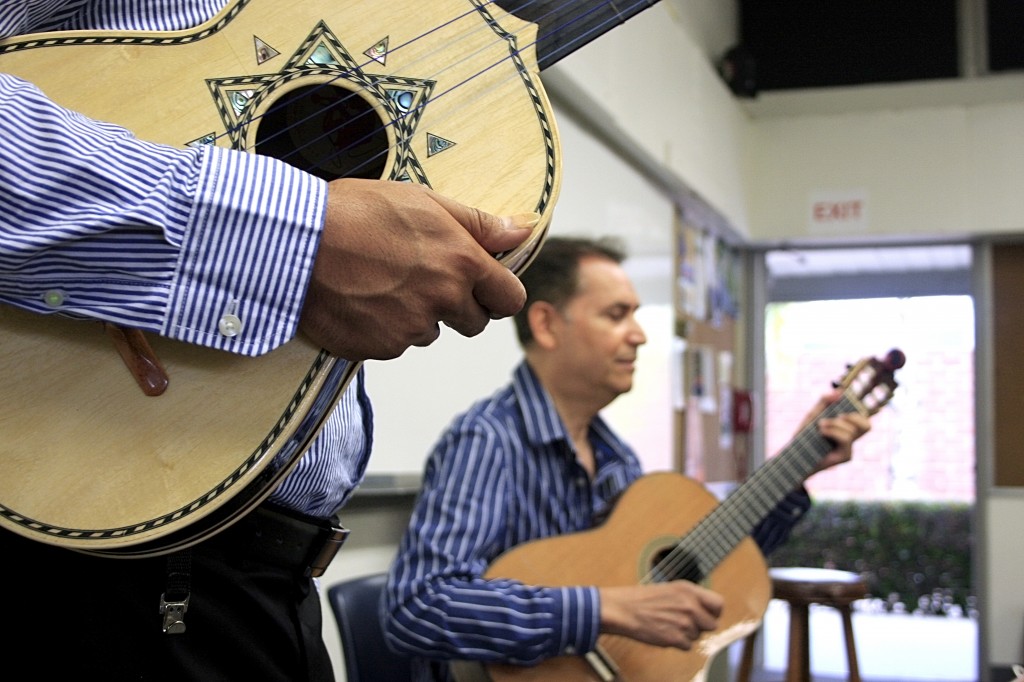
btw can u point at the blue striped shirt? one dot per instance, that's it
(504, 473)
(96, 223)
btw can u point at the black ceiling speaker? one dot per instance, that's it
(834, 43)
(738, 69)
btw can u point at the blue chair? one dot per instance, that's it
(356, 607)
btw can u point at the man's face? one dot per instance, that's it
(600, 334)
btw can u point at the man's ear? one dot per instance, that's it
(543, 317)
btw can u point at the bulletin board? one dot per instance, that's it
(707, 306)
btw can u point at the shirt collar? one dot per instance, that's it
(543, 424)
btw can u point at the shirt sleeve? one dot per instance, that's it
(205, 245)
(774, 530)
(437, 602)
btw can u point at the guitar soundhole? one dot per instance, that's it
(675, 564)
(325, 130)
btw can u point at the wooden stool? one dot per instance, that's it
(801, 587)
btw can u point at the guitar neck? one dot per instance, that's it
(735, 518)
(564, 26)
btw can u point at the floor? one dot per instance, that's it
(890, 648)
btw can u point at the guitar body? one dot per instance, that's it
(650, 518)
(444, 94)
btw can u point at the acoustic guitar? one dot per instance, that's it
(666, 526)
(120, 444)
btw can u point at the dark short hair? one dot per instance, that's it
(553, 276)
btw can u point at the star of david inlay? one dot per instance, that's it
(328, 119)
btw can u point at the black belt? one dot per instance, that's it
(287, 539)
(300, 544)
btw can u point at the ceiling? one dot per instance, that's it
(826, 58)
(797, 44)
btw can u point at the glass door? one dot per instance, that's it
(901, 512)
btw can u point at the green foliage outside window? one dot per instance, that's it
(915, 556)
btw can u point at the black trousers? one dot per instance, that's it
(65, 613)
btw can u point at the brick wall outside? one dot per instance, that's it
(921, 445)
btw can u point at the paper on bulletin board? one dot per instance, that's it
(691, 278)
(678, 378)
(725, 397)
(699, 372)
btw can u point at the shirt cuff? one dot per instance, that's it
(246, 253)
(581, 620)
(775, 529)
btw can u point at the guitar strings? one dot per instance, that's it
(778, 476)
(564, 48)
(686, 560)
(360, 67)
(807, 447)
(472, 31)
(480, 93)
(690, 558)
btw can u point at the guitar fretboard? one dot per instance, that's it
(735, 518)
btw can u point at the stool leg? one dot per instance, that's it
(747, 661)
(799, 669)
(851, 649)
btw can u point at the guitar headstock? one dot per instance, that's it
(871, 382)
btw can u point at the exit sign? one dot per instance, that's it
(838, 212)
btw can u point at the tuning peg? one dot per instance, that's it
(839, 383)
(895, 359)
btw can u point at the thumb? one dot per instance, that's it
(494, 233)
(512, 231)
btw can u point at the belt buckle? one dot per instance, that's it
(335, 538)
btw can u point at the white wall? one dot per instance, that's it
(656, 84)
(934, 159)
(940, 169)
(1005, 559)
